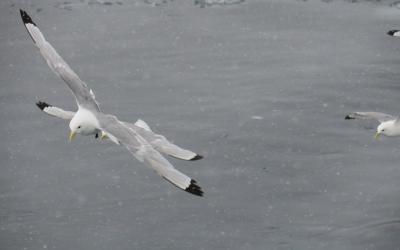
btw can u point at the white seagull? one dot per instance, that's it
(389, 125)
(138, 138)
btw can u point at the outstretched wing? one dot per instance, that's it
(54, 111)
(82, 93)
(144, 152)
(381, 117)
(161, 144)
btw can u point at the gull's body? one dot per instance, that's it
(157, 141)
(89, 120)
(86, 121)
(389, 125)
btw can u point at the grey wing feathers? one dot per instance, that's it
(142, 124)
(54, 111)
(161, 144)
(145, 153)
(381, 117)
(79, 88)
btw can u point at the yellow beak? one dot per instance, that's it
(103, 135)
(72, 135)
(377, 135)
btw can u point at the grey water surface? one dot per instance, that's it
(260, 88)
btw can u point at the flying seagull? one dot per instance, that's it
(89, 120)
(389, 125)
(393, 32)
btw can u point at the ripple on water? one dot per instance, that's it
(369, 233)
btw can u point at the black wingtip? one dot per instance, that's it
(197, 157)
(349, 117)
(25, 17)
(392, 32)
(42, 105)
(194, 189)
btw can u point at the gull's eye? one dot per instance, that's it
(79, 126)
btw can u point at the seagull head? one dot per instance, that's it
(385, 128)
(76, 127)
(84, 123)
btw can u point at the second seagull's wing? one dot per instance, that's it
(381, 117)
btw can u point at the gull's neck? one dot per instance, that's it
(88, 116)
(87, 119)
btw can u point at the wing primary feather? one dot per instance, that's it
(25, 17)
(197, 157)
(55, 111)
(42, 105)
(27, 20)
(193, 188)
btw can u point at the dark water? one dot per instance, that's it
(260, 88)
